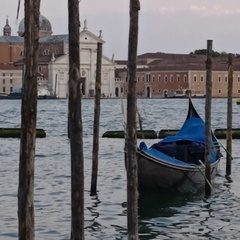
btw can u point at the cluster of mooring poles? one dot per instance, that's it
(29, 113)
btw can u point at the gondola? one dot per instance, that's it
(176, 163)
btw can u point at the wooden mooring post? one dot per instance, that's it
(208, 103)
(75, 124)
(96, 121)
(131, 135)
(26, 221)
(229, 116)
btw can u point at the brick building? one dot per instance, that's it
(170, 75)
(53, 61)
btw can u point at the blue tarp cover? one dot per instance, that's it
(187, 147)
(164, 157)
(192, 130)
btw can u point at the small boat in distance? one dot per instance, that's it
(176, 163)
(17, 94)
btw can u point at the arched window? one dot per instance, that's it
(22, 53)
(46, 52)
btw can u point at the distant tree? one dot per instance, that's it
(224, 53)
(204, 52)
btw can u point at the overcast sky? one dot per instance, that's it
(170, 26)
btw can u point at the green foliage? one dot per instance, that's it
(204, 52)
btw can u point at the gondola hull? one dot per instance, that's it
(176, 163)
(157, 174)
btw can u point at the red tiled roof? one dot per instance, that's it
(4, 66)
(183, 62)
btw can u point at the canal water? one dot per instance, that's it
(160, 216)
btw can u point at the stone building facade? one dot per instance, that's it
(158, 74)
(53, 60)
(10, 78)
(176, 75)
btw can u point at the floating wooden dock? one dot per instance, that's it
(16, 133)
(167, 132)
(220, 133)
(145, 134)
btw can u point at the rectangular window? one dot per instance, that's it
(171, 77)
(4, 81)
(219, 91)
(195, 78)
(226, 79)
(153, 78)
(201, 78)
(166, 78)
(178, 78)
(219, 78)
(4, 89)
(149, 77)
(159, 78)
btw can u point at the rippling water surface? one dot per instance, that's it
(160, 216)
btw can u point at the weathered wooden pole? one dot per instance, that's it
(75, 124)
(208, 103)
(131, 136)
(96, 120)
(26, 221)
(229, 115)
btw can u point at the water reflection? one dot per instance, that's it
(169, 216)
(159, 204)
(95, 202)
(161, 216)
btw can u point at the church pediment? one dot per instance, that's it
(90, 38)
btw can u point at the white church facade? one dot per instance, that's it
(58, 69)
(53, 62)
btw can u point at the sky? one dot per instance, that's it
(169, 26)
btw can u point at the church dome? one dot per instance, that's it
(7, 29)
(45, 27)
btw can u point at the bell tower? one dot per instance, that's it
(7, 29)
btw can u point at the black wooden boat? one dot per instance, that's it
(176, 163)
